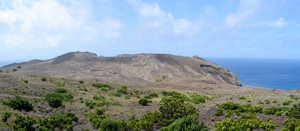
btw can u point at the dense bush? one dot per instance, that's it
(291, 124)
(99, 85)
(81, 81)
(122, 90)
(18, 103)
(260, 103)
(219, 112)
(267, 101)
(197, 99)
(6, 115)
(173, 109)
(55, 99)
(146, 122)
(242, 97)
(188, 123)
(25, 81)
(23, 123)
(43, 79)
(294, 111)
(60, 84)
(268, 125)
(244, 123)
(61, 121)
(62, 96)
(286, 103)
(99, 111)
(61, 90)
(143, 101)
(99, 97)
(54, 102)
(270, 111)
(229, 106)
(110, 125)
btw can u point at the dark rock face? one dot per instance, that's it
(133, 68)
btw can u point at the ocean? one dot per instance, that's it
(268, 73)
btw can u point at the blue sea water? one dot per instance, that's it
(268, 73)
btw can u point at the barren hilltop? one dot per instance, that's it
(132, 68)
(83, 91)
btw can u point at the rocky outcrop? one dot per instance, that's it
(136, 68)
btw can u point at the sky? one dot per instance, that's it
(43, 29)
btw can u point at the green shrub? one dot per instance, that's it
(61, 121)
(242, 98)
(61, 90)
(62, 96)
(153, 95)
(291, 124)
(60, 84)
(14, 70)
(260, 103)
(274, 101)
(244, 123)
(160, 79)
(268, 125)
(173, 109)
(188, 123)
(99, 85)
(81, 81)
(127, 97)
(43, 79)
(85, 89)
(99, 97)
(99, 111)
(55, 102)
(110, 125)
(278, 113)
(0, 70)
(23, 123)
(6, 115)
(144, 101)
(197, 99)
(18, 103)
(55, 99)
(25, 81)
(229, 113)
(219, 112)
(267, 102)
(294, 111)
(122, 90)
(270, 111)
(286, 103)
(230, 106)
(257, 109)
(104, 89)
(19, 67)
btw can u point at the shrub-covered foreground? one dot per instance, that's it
(19, 103)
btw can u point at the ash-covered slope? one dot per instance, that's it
(132, 68)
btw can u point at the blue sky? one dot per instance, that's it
(43, 29)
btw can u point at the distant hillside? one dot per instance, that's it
(131, 68)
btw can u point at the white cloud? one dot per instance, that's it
(151, 15)
(110, 28)
(247, 9)
(278, 23)
(46, 23)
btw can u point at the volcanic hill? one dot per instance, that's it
(132, 68)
